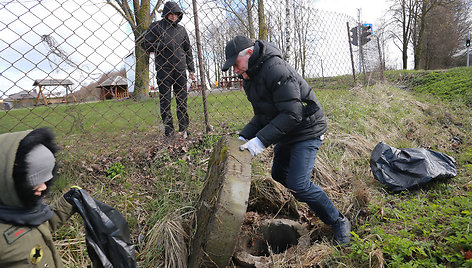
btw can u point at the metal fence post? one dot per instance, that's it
(200, 65)
(350, 50)
(468, 38)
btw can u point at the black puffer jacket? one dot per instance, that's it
(280, 97)
(169, 41)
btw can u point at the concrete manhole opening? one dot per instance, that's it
(273, 236)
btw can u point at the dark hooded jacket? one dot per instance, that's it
(169, 41)
(26, 222)
(285, 108)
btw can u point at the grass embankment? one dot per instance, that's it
(154, 182)
(422, 228)
(452, 85)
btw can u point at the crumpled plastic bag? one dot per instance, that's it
(106, 232)
(401, 169)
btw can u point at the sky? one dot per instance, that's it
(91, 35)
(372, 11)
(84, 37)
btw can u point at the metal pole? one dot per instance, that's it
(322, 71)
(200, 61)
(468, 38)
(359, 38)
(380, 59)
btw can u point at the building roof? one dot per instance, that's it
(24, 94)
(114, 81)
(52, 82)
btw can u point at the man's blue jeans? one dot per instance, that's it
(292, 167)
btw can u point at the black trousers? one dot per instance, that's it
(176, 79)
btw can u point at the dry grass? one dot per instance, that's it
(317, 255)
(73, 252)
(269, 196)
(170, 236)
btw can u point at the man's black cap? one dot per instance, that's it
(233, 47)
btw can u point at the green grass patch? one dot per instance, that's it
(452, 85)
(429, 229)
(227, 110)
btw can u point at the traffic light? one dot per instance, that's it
(467, 43)
(366, 31)
(354, 36)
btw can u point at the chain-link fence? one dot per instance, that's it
(80, 66)
(113, 77)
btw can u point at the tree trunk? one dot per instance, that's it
(405, 55)
(143, 20)
(141, 83)
(403, 12)
(262, 23)
(419, 37)
(287, 30)
(250, 20)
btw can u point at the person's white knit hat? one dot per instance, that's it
(40, 162)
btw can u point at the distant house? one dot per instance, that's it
(23, 98)
(114, 88)
(24, 94)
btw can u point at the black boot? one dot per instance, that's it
(168, 131)
(342, 230)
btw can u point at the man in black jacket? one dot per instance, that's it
(287, 114)
(173, 56)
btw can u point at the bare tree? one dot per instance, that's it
(301, 25)
(403, 12)
(237, 21)
(288, 31)
(139, 18)
(445, 28)
(277, 25)
(420, 15)
(239, 16)
(214, 37)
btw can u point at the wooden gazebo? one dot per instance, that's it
(53, 82)
(114, 88)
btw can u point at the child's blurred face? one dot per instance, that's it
(38, 190)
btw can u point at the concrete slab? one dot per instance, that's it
(222, 205)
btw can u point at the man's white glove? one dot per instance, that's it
(254, 146)
(242, 138)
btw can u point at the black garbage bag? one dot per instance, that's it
(401, 169)
(106, 232)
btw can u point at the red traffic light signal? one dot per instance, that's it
(366, 31)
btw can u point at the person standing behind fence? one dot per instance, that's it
(287, 114)
(173, 56)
